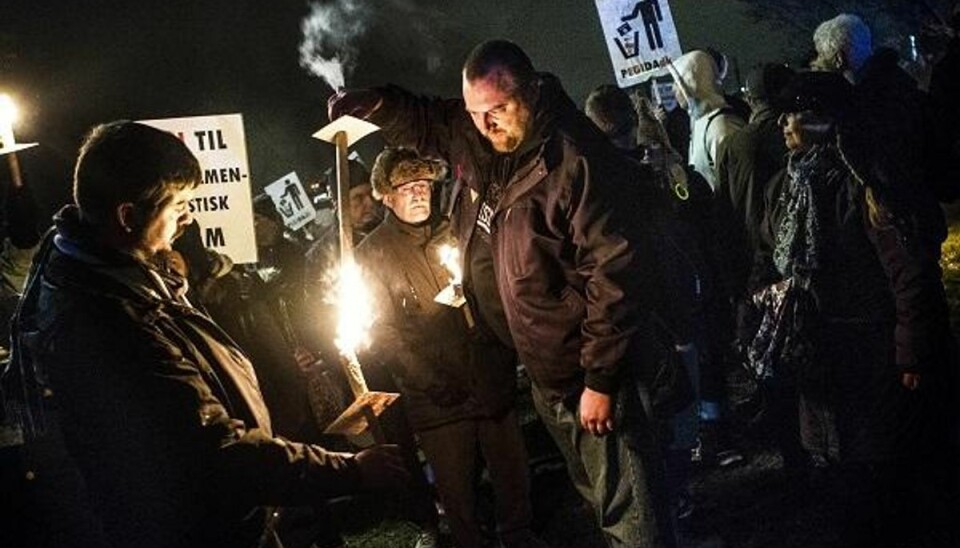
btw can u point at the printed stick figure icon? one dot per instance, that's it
(651, 15)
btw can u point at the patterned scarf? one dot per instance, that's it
(782, 345)
(796, 254)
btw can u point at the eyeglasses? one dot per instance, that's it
(414, 187)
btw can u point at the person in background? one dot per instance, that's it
(145, 423)
(263, 307)
(19, 237)
(843, 45)
(856, 312)
(901, 122)
(747, 160)
(322, 266)
(750, 161)
(738, 103)
(681, 228)
(712, 120)
(365, 214)
(696, 76)
(328, 389)
(201, 267)
(460, 398)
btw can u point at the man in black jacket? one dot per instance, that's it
(146, 426)
(555, 199)
(746, 161)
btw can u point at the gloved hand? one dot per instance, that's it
(359, 103)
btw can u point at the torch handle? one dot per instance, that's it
(351, 368)
(373, 425)
(343, 198)
(16, 178)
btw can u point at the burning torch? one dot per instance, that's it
(354, 305)
(452, 295)
(8, 144)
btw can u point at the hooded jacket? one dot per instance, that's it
(711, 119)
(156, 428)
(569, 258)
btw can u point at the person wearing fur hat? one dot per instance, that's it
(458, 396)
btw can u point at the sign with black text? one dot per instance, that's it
(222, 204)
(640, 36)
(291, 201)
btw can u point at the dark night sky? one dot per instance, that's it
(72, 64)
(72, 67)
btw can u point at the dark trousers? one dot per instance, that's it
(620, 474)
(451, 450)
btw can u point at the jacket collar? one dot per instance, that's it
(557, 118)
(420, 234)
(130, 276)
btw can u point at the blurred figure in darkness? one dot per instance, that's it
(19, 237)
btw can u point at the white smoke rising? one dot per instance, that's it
(334, 28)
(330, 35)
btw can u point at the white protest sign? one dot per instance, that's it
(640, 36)
(291, 201)
(222, 203)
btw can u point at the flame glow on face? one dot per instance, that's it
(354, 311)
(450, 259)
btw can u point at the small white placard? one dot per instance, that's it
(355, 128)
(291, 201)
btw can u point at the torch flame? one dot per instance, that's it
(450, 259)
(8, 117)
(8, 110)
(354, 311)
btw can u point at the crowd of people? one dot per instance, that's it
(624, 256)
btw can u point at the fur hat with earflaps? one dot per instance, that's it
(398, 166)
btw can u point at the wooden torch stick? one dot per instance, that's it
(350, 364)
(16, 178)
(343, 198)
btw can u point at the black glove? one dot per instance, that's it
(359, 103)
